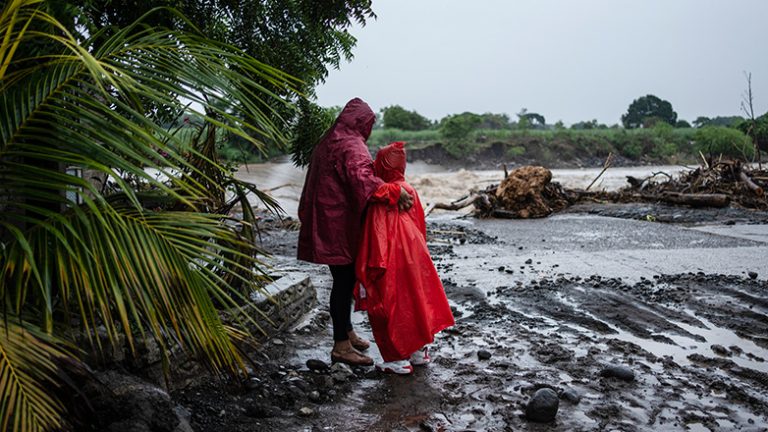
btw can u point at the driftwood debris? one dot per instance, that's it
(528, 192)
(696, 199)
(750, 184)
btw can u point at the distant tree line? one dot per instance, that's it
(463, 134)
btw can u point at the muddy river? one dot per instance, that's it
(435, 183)
(680, 310)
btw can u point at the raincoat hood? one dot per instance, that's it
(390, 162)
(357, 118)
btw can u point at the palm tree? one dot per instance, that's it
(111, 259)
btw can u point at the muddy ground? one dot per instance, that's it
(551, 303)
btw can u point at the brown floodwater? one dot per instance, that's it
(435, 183)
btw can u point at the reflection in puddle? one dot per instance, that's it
(686, 346)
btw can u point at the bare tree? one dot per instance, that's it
(747, 107)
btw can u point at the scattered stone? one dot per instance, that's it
(341, 372)
(252, 384)
(571, 396)
(314, 396)
(502, 268)
(542, 408)
(720, 350)
(529, 261)
(752, 275)
(278, 342)
(317, 365)
(484, 355)
(306, 411)
(617, 371)
(261, 410)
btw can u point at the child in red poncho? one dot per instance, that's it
(401, 290)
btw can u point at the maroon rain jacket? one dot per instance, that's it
(340, 181)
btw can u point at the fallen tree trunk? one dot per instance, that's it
(458, 204)
(750, 184)
(695, 200)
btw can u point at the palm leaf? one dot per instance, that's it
(111, 261)
(28, 372)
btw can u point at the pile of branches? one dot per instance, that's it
(717, 183)
(528, 192)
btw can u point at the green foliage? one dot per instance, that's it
(495, 121)
(414, 139)
(647, 107)
(588, 125)
(459, 126)
(757, 130)
(456, 129)
(719, 140)
(529, 120)
(663, 137)
(146, 255)
(727, 121)
(661, 143)
(312, 124)
(535, 120)
(295, 36)
(515, 151)
(397, 117)
(682, 124)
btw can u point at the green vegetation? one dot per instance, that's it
(714, 140)
(130, 256)
(311, 125)
(556, 145)
(652, 134)
(647, 111)
(397, 117)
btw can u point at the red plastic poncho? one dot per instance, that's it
(340, 181)
(401, 291)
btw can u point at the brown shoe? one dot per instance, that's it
(351, 357)
(359, 343)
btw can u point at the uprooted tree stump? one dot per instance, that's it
(529, 192)
(526, 192)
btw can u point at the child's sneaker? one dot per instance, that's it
(400, 367)
(420, 357)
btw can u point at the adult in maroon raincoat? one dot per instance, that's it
(339, 184)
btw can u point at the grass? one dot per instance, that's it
(654, 144)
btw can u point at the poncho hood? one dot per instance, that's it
(390, 162)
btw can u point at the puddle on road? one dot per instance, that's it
(685, 347)
(726, 338)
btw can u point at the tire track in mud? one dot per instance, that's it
(561, 333)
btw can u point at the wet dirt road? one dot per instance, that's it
(554, 302)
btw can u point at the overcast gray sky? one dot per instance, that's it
(568, 60)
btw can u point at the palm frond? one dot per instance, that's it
(107, 259)
(28, 372)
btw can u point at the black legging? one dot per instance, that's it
(341, 295)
